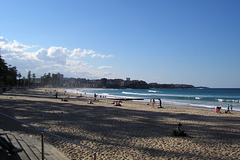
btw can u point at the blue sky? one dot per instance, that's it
(164, 41)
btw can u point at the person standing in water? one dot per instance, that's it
(228, 107)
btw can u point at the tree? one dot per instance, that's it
(19, 78)
(12, 76)
(29, 78)
(46, 79)
(8, 74)
(34, 76)
(3, 71)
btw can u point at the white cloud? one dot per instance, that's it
(28, 56)
(53, 60)
(12, 50)
(12, 47)
(101, 56)
(75, 66)
(54, 54)
(41, 54)
(3, 40)
(78, 53)
(104, 67)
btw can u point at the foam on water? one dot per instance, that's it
(203, 98)
(138, 94)
(228, 100)
(152, 91)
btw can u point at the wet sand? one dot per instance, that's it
(132, 131)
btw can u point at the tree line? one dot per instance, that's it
(9, 76)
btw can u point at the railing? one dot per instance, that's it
(44, 131)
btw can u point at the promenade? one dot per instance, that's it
(32, 148)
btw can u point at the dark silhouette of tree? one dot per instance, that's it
(46, 79)
(29, 78)
(55, 80)
(33, 78)
(19, 79)
(3, 71)
(12, 76)
(8, 74)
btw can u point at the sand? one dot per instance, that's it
(132, 131)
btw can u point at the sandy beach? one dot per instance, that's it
(133, 131)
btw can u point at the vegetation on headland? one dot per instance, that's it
(10, 77)
(155, 85)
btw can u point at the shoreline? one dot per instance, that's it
(131, 131)
(144, 101)
(193, 101)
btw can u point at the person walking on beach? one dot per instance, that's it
(153, 102)
(56, 95)
(160, 103)
(95, 96)
(231, 107)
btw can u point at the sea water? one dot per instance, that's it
(207, 98)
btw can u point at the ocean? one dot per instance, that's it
(205, 98)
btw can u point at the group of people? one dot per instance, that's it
(229, 108)
(100, 96)
(117, 103)
(153, 102)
